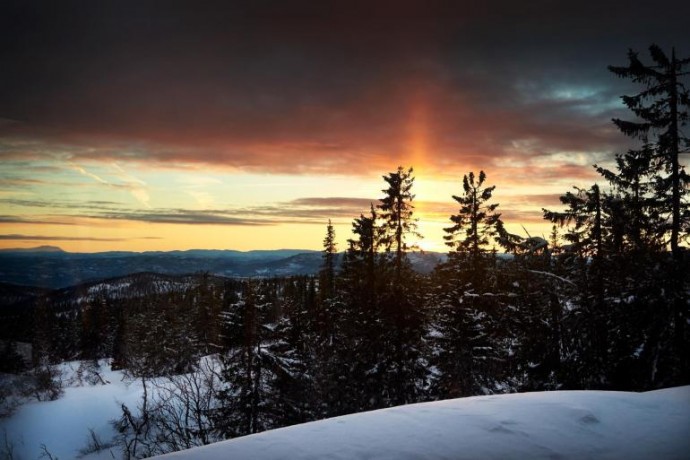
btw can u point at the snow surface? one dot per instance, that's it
(551, 425)
(63, 425)
(559, 424)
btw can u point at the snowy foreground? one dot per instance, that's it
(62, 426)
(559, 424)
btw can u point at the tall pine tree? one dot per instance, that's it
(467, 325)
(401, 305)
(662, 110)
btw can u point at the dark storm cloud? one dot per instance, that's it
(254, 84)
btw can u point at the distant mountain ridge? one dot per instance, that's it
(37, 249)
(51, 267)
(46, 249)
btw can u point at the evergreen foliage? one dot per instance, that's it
(662, 107)
(663, 110)
(401, 368)
(330, 256)
(467, 329)
(476, 224)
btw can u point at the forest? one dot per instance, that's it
(602, 304)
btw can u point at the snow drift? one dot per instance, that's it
(559, 424)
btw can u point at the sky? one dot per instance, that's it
(248, 125)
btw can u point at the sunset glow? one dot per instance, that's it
(246, 129)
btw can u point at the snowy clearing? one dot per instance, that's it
(63, 425)
(559, 424)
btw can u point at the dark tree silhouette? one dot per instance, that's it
(330, 255)
(476, 224)
(397, 214)
(662, 107)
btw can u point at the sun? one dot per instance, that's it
(430, 246)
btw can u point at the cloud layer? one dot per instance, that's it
(117, 115)
(295, 87)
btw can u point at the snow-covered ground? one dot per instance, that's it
(566, 424)
(553, 425)
(63, 425)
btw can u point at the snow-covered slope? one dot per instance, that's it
(561, 424)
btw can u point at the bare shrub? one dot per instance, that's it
(94, 444)
(47, 384)
(7, 448)
(175, 413)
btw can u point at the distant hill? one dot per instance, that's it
(17, 303)
(38, 249)
(51, 267)
(15, 299)
(13, 294)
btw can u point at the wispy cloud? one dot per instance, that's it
(105, 205)
(21, 182)
(6, 219)
(204, 199)
(334, 202)
(135, 186)
(306, 210)
(125, 176)
(138, 188)
(84, 172)
(186, 217)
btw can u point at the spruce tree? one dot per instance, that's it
(364, 250)
(467, 325)
(330, 255)
(246, 400)
(476, 224)
(584, 220)
(269, 364)
(294, 356)
(642, 225)
(662, 107)
(588, 231)
(662, 110)
(357, 376)
(402, 315)
(534, 292)
(397, 215)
